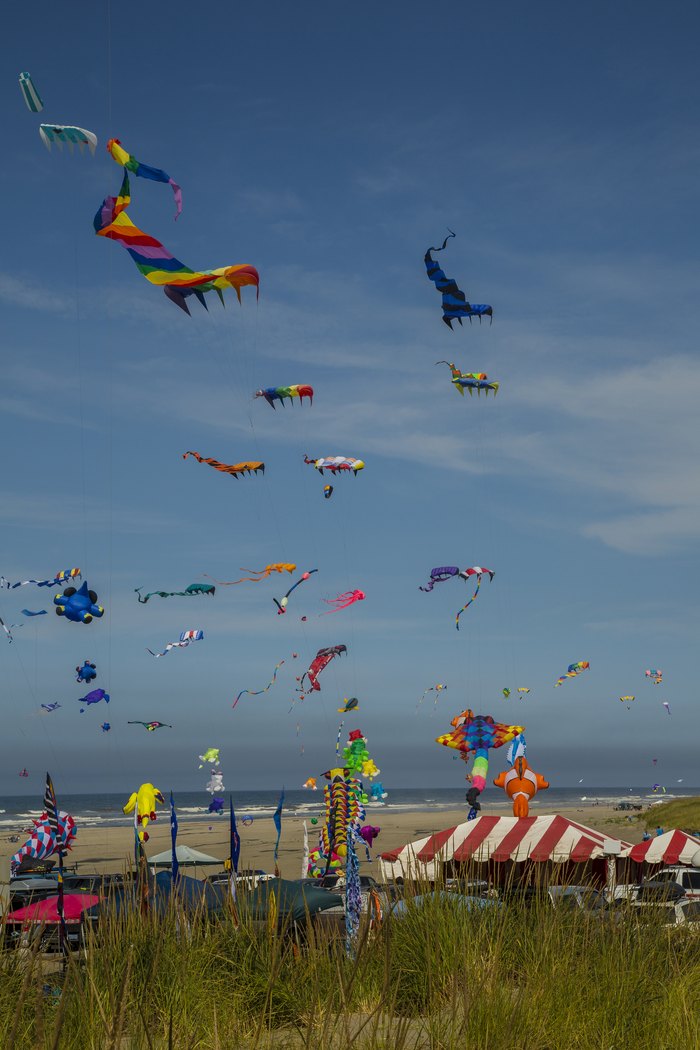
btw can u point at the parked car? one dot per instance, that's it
(627, 806)
(687, 878)
(670, 913)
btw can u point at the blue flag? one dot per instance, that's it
(173, 836)
(235, 840)
(277, 819)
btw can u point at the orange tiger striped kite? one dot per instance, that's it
(234, 469)
(259, 574)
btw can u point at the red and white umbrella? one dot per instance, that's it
(545, 838)
(675, 847)
(46, 911)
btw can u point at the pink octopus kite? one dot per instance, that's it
(343, 600)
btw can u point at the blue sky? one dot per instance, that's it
(329, 147)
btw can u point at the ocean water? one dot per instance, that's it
(17, 811)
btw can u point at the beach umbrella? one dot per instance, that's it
(74, 904)
(185, 856)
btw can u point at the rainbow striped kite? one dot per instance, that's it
(153, 260)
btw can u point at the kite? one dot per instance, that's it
(23, 773)
(216, 805)
(471, 380)
(658, 676)
(327, 491)
(310, 783)
(454, 301)
(523, 689)
(667, 706)
(28, 612)
(192, 589)
(506, 693)
(258, 692)
(517, 749)
(258, 574)
(520, 784)
(143, 804)
(431, 689)
(279, 393)
(46, 839)
(572, 670)
(448, 572)
(368, 833)
(234, 469)
(105, 727)
(30, 94)
(215, 783)
(51, 707)
(153, 260)
(322, 659)
(344, 600)
(66, 133)
(86, 673)
(336, 463)
(93, 698)
(60, 577)
(210, 757)
(247, 820)
(78, 606)
(356, 756)
(377, 792)
(626, 700)
(282, 603)
(185, 638)
(477, 734)
(151, 726)
(350, 705)
(8, 629)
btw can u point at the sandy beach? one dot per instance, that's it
(110, 848)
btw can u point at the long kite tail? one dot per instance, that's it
(230, 583)
(442, 247)
(257, 692)
(473, 598)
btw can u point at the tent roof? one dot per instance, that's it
(486, 838)
(185, 855)
(74, 904)
(675, 847)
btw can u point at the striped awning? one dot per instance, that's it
(545, 838)
(675, 847)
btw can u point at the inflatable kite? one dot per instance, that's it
(93, 698)
(153, 260)
(258, 574)
(327, 491)
(143, 804)
(454, 301)
(216, 805)
(668, 708)
(448, 572)
(86, 673)
(572, 670)
(523, 689)
(350, 705)
(506, 693)
(30, 94)
(65, 133)
(344, 600)
(105, 727)
(377, 792)
(356, 757)
(151, 726)
(23, 773)
(653, 673)
(437, 689)
(28, 612)
(46, 839)
(61, 577)
(520, 784)
(192, 589)
(210, 757)
(368, 833)
(51, 707)
(233, 469)
(279, 393)
(310, 783)
(79, 606)
(185, 638)
(470, 380)
(258, 692)
(321, 660)
(626, 700)
(215, 782)
(282, 603)
(336, 464)
(477, 734)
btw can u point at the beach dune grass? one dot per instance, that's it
(438, 976)
(683, 813)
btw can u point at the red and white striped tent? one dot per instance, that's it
(675, 847)
(487, 838)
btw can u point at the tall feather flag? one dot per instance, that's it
(277, 820)
(305, 854)
(235, 839)
(51, 807)
(173, 839)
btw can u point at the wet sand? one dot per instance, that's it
(111, 849)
